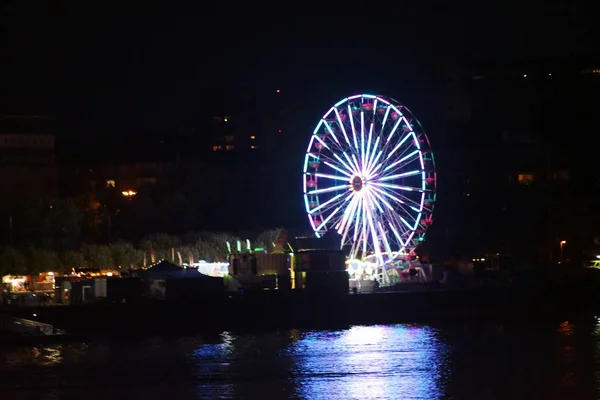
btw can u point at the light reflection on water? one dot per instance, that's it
(369, 362)
(486, 361)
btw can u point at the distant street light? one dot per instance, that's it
(129, 193)
(562, 245)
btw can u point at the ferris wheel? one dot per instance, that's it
(369, 175)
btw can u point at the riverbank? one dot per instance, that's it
(280, 310)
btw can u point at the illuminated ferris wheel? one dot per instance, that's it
(369, 174)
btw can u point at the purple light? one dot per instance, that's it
(371, 182)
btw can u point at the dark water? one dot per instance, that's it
(474, 361)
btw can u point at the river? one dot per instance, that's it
(527, 360)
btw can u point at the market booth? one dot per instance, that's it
(16, 283)
(17, 291)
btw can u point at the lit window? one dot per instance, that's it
(254, 147)
(110, 183)
(217, 148)
(229, 147)
(252, 137)
(525, 179)
(129, 193)
(225, 119)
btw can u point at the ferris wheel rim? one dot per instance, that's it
(361, 174)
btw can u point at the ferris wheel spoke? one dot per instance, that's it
(341, 124)
(344, 225)
(362, 138)
(348, 167)
(375, 110)
(410, 202)
(397, 197)
(338, 169)
(375, 165)
(355, 167)
(321, 141)
(327, 203)
(395, 149)
(406, 212)
(398, 187)
(386, 243)
(400, 168)
(357, 219)
(385, 117)
(404, 160)
(408, 225)
(351, 200)
(373, 231)
(333, 147)
(331, 132)
(375, 203)
(372, 196)
(400, 202)
(396, 125)
(363, 224)
(351, 118)
(328, 218)
(356, 161)
(376, 193)
(327, 176)
(397, 234)
(374, 151)
(398, 176)
(330, 189)
(369, 149)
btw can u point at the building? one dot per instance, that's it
(519, 151)
(126, 178)
(506, 92)
(262, 271)
(234, 133)
(28, 168)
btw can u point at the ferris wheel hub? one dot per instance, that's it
(357, 182)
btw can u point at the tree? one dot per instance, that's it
(97, 256)
(211, 246)
(42, 260)
(266, 239)
(49, 223)
(12, 262)
(124, 255)
(90, 209)
(72, 259)
(162, 241)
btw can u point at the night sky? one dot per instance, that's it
(142, 73)
(153, 67)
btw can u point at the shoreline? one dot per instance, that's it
(279, 310)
